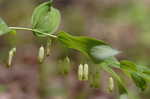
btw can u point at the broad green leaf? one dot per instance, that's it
(136, 72)
(139, 80)
(145, 76)
(45, 19)
(113, 62)
(119, 80)
(128, 65)
(144, 69)
(3, 27)
(95, 49)
(103, 52)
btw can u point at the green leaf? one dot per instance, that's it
(132, 67)
(95, 49)
(145, 76)
(128, 65)
(144, 69)
(103, 52)
(136, 72)
(3, 27)
(45, 19)
(139, 80)
(113, 62)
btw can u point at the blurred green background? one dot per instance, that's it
(124, 24)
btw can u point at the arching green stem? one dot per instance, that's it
(34, 30)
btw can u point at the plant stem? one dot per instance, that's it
(33, 30)
(43, 81)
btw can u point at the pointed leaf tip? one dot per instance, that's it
(4, 29)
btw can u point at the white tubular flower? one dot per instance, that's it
(10, 57)
(111, 84)
(80, 72)
(85, 72)
(41, 54)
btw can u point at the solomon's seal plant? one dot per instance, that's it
(45, 21)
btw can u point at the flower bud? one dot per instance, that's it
(80, 72)
(10, 57)
(94, 77)
(64, 66)
(111, 84)
(41, 54)
(48, 47)
(14, 50)
(85, 72)
(67, 60)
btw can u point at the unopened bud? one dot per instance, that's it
(94, 77)
(80, 72)
(85, 72)
(10, 57)
(48, 47)
(41, 54)
(111, 84)
(14, 50)
(65, 66)
(67, 59)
